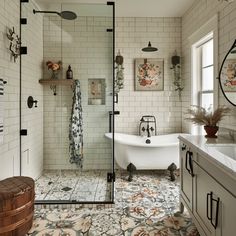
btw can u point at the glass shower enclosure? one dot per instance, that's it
(67, 87)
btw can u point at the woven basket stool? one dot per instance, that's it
(16, 206)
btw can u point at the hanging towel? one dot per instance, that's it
(76, 128)
(1, 109)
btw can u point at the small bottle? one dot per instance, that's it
(69, 73)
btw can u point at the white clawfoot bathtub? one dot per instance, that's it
(159, 154)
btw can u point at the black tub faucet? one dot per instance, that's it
(146, 123)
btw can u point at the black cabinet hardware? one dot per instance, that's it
(214, 221)
(189, 162)
(186, 161)
(183, 147)
(190, 159)
(209, 216)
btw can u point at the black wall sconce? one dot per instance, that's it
(31, 102)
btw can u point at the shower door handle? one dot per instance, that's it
(111, 113)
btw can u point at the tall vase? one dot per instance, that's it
(211, 131)
(54, 74)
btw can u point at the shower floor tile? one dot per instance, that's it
(73, 185)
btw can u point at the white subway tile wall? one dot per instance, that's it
(87, 47)
(9, 71)
(132, 34)
(192, 20)
(32, 118)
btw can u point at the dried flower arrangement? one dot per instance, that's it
(55, 67)
(201, 116)
(207, 117)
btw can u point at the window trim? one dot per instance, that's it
(203, 34)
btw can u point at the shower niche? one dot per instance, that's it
(80, 35)
(96, 92)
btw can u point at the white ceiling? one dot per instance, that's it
(133, 8)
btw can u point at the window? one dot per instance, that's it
(203, 79)
(206, 78)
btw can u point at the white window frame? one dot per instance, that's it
(200, 70)
(206, 32)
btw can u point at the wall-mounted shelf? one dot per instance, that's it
(67, 82)
(54, 82)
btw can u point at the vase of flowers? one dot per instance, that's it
(54, 67)
(200, 116)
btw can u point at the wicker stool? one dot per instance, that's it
(16, 206)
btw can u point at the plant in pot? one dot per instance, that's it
(200, 116)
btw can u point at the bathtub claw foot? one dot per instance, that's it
(131, 168)
(172, 168)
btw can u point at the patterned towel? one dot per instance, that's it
(1, 109)
(76, 128)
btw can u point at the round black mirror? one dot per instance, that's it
(227, 75)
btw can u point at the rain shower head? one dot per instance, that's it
(67, 15)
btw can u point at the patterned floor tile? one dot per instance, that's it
(143, 207)
(72, 185)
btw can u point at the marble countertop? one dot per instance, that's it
(204, 146)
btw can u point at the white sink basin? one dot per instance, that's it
(226, 149)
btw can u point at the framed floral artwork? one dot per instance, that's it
(149, 74)
(228, 75)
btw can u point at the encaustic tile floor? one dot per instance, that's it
(144, 207)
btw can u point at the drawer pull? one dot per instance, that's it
(186, 161)
(209, 217)
(190, 159)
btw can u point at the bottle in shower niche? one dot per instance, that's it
(69, 73)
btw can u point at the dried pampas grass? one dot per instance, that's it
(201, 116)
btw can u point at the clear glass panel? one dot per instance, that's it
(86, 46)
(207, 78)
(207, 53)
(207, 100)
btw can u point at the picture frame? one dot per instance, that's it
(149, 74)
(228, 75)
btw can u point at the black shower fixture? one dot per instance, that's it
(149, 48)
(67, 15)
(31, 102)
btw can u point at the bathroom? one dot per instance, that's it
(47, 37)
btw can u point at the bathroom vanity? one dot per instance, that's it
(208, 183)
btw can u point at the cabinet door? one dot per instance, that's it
(227, 213)
(203, 186)
(185, 176)
(214, 206)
